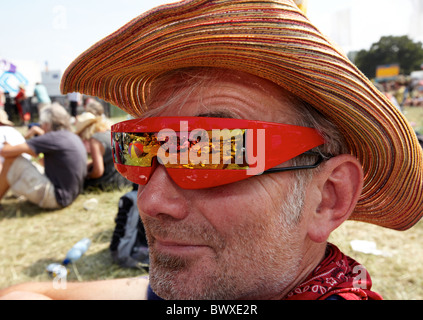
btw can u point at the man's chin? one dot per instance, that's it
(175, 278)
(171, 283)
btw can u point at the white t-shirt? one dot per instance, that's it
(12, 137)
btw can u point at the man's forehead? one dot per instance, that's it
(220, 93)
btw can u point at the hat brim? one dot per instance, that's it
(275, 41)
(83, 125)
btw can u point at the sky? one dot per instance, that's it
(57, 31)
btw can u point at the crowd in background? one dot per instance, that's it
(403, 91)
(39, 116)
(23, 109)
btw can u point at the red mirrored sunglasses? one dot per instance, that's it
(202, 152)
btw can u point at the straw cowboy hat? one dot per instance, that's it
(274, 40)
(83, 121)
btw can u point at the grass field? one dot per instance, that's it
(33, 238)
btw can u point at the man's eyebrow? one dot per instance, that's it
(216, 114)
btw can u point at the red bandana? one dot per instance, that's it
(337, 275)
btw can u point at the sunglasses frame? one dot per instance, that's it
(320, 159)
(282, 142)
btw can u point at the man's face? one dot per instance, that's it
(233, 241)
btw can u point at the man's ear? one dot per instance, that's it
(338, 185)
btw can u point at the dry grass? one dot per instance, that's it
(398, 276)
(416, 117)
(33, 238)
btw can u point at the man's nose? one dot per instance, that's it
(162, 196)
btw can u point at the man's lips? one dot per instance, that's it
(178, 247)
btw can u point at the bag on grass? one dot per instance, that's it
(129, 246)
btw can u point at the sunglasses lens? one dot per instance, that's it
(205, 149)
(134, 149)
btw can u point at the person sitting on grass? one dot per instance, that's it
(9, 135)
(64, 163)
(95, 134)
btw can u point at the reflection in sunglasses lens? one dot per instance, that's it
(217, 149)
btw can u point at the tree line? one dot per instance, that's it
(391, 50)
